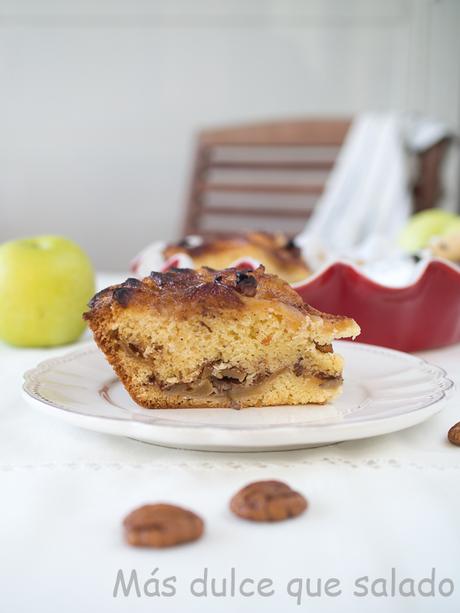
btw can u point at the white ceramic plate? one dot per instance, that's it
(384, 391)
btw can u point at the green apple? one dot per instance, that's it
(452, 227)
(45, 283)
(422, 226)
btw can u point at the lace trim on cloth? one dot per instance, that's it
(234, 465)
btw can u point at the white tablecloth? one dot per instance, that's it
(386, 503)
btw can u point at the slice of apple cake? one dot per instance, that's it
(206, 338)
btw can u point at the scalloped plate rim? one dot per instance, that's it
(313, 434)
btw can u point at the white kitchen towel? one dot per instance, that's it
(367, 197)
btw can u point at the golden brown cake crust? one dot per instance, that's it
(184, 289)
(278, 245)
(276, 251)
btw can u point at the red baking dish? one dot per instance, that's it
(424, 314)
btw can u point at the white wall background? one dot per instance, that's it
(99, 99)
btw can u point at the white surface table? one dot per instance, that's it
(386, 503)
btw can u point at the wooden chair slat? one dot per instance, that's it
(249, 211)
(272, 165)
(313, 132)
(246, 188)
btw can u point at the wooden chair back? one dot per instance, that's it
(269, 176)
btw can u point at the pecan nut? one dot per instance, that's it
(162, 525)
(267, 501)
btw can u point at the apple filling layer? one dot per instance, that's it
(235, 390)
(226, 381)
